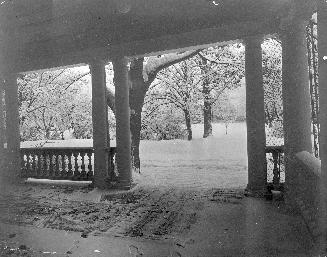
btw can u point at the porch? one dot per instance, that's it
(234, 227)
(53, 34)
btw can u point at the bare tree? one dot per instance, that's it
(222, 68)
(142, 73)
(47, 101)
(178, 86)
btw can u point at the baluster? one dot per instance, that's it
(57, 168)
(44, 164)
(60, 164)
(70, 166)
(90, 171)
(54, 162)
(23, 163)
(76, 171)
(28, 164)
(30, 161)
(51, 169)
(39, 164)
(276, 171)
(34, 163)
(30, 168)
(83, 172)
(63, 165)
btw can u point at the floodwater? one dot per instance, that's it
(217, 161)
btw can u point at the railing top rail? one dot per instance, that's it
(71, 143)
(56, 148)
(274, 148)
(60, 148)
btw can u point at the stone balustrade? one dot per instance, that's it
(73, 163)
(275, 165)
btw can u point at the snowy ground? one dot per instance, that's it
(186, 203)
(217, 161)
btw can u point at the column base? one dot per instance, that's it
(9, 183)
(125, 184)
(119, 184)
(256, 191)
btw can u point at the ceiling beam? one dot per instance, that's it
(198, 39)
(36, 60)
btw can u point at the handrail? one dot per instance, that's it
(277, 153)
(274, 148)
(69, 163)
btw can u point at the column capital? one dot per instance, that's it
(9, 79)
(295, 31)
(297, 16)
(253, 41)
(97, 61)
(119, 59)
(290, 27)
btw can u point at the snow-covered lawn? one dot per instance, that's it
(217, 161)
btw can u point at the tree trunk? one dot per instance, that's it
(140, 82)
(207, 119)
(136, 121)
(188, 124)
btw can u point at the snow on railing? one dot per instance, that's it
(61, 163)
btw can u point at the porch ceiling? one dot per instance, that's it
(49, 28)
(35, 20)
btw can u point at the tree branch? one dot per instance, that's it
(155, 64)
(77, 79)
(217, 62)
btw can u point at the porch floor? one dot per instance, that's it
(188, 202)
(53, 221)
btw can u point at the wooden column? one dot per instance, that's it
(123, 134)
(101, 141)
(322, 48)
(296, 96)
(255, 115)
(2, 131)
(12, 125)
